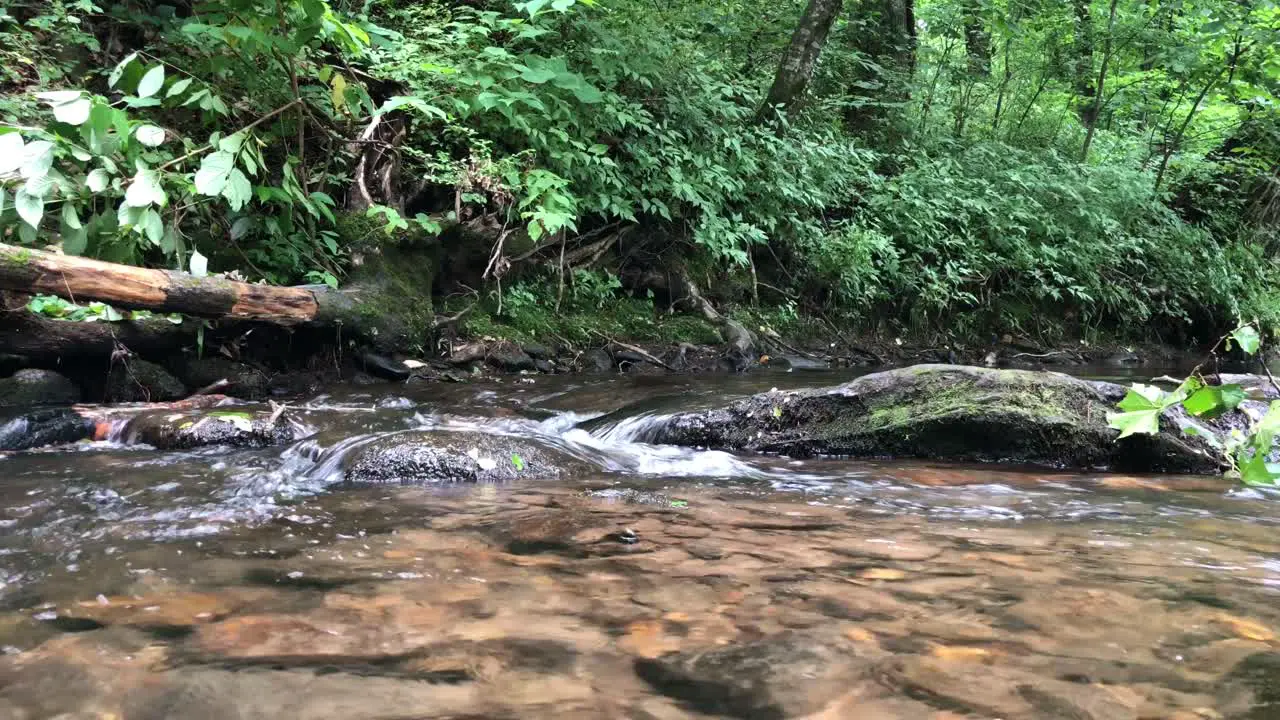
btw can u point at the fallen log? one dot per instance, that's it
(386, 303)
(135, 288)
(41, 339)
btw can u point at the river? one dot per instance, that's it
(666, 583)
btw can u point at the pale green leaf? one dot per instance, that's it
(144, 190)
(37, 159)
(97, 180)
(1146, 422)
(238, 190)
(118, 71)
(30, 207)
(11, 152)
(178, 88)
(199, 264)
(1246, 336)
(69, 217)
(149, 135)
(152, 226)
(151, 83)
(75, 112)
(211, 178)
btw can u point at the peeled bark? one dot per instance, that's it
(75, 278)
(796, 69)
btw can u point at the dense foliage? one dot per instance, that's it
(978, 166)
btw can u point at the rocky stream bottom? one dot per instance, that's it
(650, 582)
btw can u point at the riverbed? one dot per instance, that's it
(662, 583)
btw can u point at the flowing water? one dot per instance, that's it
(667, 583)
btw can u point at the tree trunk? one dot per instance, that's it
(1082, 65)
(1095, 109)
(796, 69)
(977, 42)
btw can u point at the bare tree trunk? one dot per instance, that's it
(1091, 120)
(796, 69)
(977, 42)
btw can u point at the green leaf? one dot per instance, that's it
(211, 178)
(178, 88)
(118, 71)
(69, 217)
(97, 180)
(238, 190)
(37, 159)
(149, 135)
(1256, 471)
(11, 152)
(1143, 397)
(1146, 422)
(144, 190)
(152, 226)
(1246, 336)
(74, 241)
(30, 207)
(75, 112)
(518, 463)
(151, 83)
(1213, 401)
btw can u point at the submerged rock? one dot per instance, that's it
(141, 381)
(788, 675)
(455, 457)
(37, 387)
(945, 412)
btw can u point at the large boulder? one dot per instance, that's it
(37, 387)
(946, 412)
(429, 457)
(137, 380)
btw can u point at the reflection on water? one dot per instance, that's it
(667, 583)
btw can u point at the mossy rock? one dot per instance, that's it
(37, 387)
(946, 412)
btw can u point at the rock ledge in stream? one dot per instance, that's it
(945, 412)
(455, 457)
(167, 430)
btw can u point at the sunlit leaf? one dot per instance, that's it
(151, 82)
(149, 135)
(30, 207)
(211, 178)
(199, 264)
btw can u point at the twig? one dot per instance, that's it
(647, 356)
(277, 409)
(212, 387)
(250, 126)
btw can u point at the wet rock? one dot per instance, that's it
(945, 412)
(40, 428)
(451, 457)
(597, 360)
(995, 691)
(786, 675)
(37, 387)
(628, 357)
(168, 430)
(545, 366)
(243, 381)
(137, 380)
(384, 367)
(509, 357)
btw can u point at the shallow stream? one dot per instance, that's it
(667, 583)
